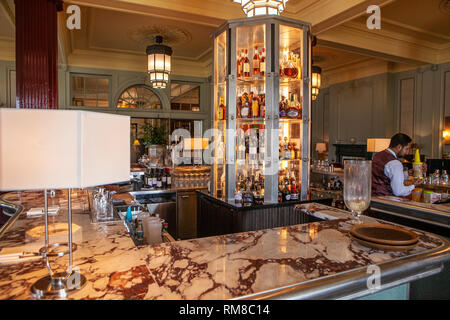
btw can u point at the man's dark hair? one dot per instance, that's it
(400, 138)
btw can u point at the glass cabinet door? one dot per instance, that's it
(250, 112)
(220, 113)
(290, 112)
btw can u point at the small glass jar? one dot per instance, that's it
(427, 196)
(417, 195)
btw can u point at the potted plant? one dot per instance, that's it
(155, 138)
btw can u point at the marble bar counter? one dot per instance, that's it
(427, 216)
(306, 261)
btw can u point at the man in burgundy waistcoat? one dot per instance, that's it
(387, 170)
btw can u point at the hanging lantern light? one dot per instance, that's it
(262, 7)
(159, 63)
(316, 81)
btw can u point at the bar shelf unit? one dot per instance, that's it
(282, 82)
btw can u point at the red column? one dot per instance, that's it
(36, 53)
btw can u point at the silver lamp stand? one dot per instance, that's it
(58, 284)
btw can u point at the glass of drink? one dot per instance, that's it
(357, 186)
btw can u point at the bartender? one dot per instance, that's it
(387, 170)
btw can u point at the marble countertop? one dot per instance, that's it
(243, 265)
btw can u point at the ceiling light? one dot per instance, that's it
(316, 81)
(262, 7)
(159, 63)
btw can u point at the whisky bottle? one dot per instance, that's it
(262, 106)
(239, 64)
(246, 64)
(262, 63)
(290, 70)
(256, 62)
(221, 110)
(292, 111)
(282, 109)
(255, 107)
(154, 178)
(294, 191)
(245, 107)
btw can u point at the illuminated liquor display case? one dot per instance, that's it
(261, 110)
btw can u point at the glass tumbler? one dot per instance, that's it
(357, 186)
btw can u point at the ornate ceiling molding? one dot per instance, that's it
(172, 35)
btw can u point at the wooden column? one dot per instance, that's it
(36, 53)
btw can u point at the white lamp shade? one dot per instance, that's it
(377, 145)
(321, 147)
(57, 149)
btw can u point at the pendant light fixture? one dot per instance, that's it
(316, 74)
(159, 63)
(316, 81)
(262, 7)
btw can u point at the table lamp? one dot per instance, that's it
(320, 148)
(377, 145)
(61, 149)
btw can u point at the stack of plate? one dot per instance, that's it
(383, 236)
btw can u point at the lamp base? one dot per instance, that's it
(59, 286)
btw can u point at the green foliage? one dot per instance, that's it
(154, 135)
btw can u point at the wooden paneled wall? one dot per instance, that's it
(414, 102)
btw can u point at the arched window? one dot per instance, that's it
(139, 97)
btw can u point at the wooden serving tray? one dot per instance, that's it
(384, 234)
(383, 246)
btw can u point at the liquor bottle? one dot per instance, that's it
(238, 194)
(164, 179)
(247, 196)
(221, 110)
(147, 179)
(294, 191)
(250, 104)
(256, 62)
(285, 189)
(262, 63)
(290, 70)
(262, 106)
(238, 106)
(246, 64)
(287, 152)
(299, 103)
(239, 64)
(159, 180)
(169, 179)
(292, 111)
(282, 109)
(154, 178)
(255, 107)
(297, 64)
(245, 107)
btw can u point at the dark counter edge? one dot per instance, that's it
(326, 201)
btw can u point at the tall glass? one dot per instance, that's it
(357, 186)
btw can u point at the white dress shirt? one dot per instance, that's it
(394, 171)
